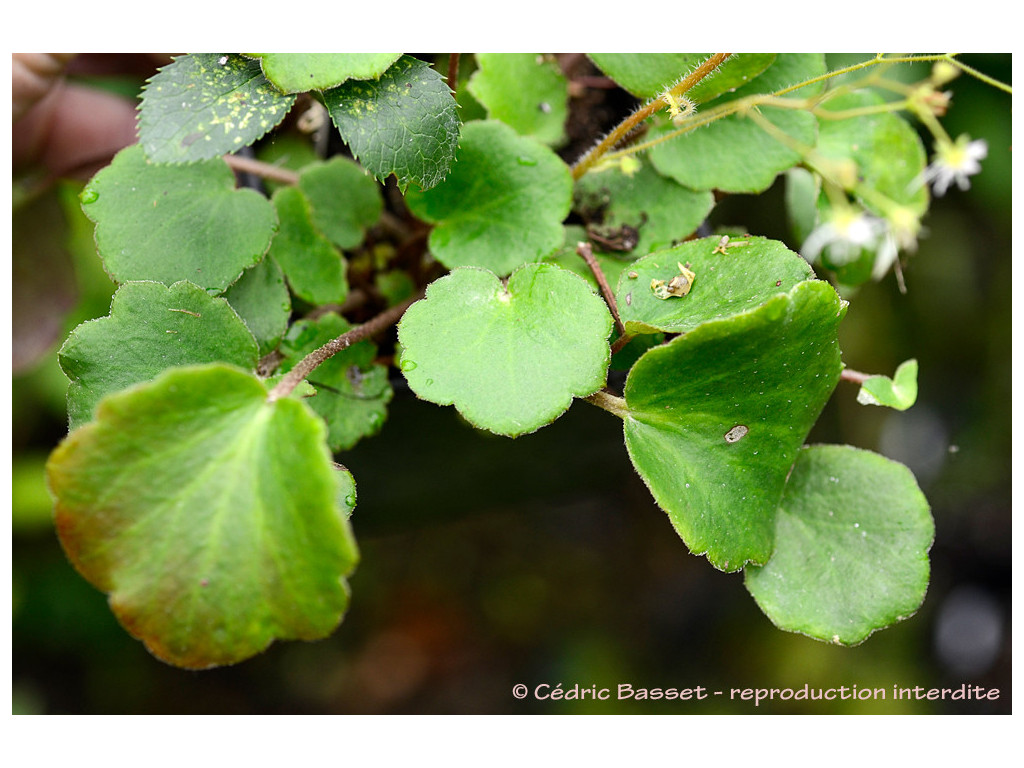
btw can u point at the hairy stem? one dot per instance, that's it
(620, 131)
(587, 253)
(309, 363)
(609, 402)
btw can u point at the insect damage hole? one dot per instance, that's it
(736, 434)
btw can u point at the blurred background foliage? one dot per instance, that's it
(488, 562)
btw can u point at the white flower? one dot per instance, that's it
(885, 256)
(844, 236)
(954, 163)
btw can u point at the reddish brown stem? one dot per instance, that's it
(623, 129)
(309, 363)
(856, 377)
(453, 72)
(587, 253)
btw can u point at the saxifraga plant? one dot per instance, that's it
(198, 486)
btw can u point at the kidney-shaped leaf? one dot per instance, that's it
(176, 222)
(151, 327)
(715, 418)
(525, 90)
(851, 546)
(509, 357)
(501, 206)
(209, 515)
(205, 105)
(315, 270)
(730, 277)
(343, 198)
(403, 123)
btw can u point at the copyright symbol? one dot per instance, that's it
(519, 691)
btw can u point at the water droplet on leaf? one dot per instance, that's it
(89, 195)
(408, 365)
(523, 160)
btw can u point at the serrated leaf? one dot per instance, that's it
(299, 72)
(176, 222)
(524, 90)
(715, 418)
(749, 272)
(734, 153)
(151, 327)
(345, 201)
(649, 74)
(660, 210)
(403, 123)
(352, 392)
(315, 270)
(261, 299)
(205, 105)
(511, 357)
(899, 392)
(209, 515)
(887, 150)
(501, 206)
(851, 547)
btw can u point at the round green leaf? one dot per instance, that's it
(749, 272)
(344, 200)
(205, 105)
(851, 547)
(151, 327)
(525, 90)
(210, 516)
(734, 153)
(352, 392)
(261, 299)
(405, 122)
(661, 211)
(501, 206)
(176, 222)
(315, 270)
(509, 357)
(299, 72)
(649, 74)
(715, 418)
